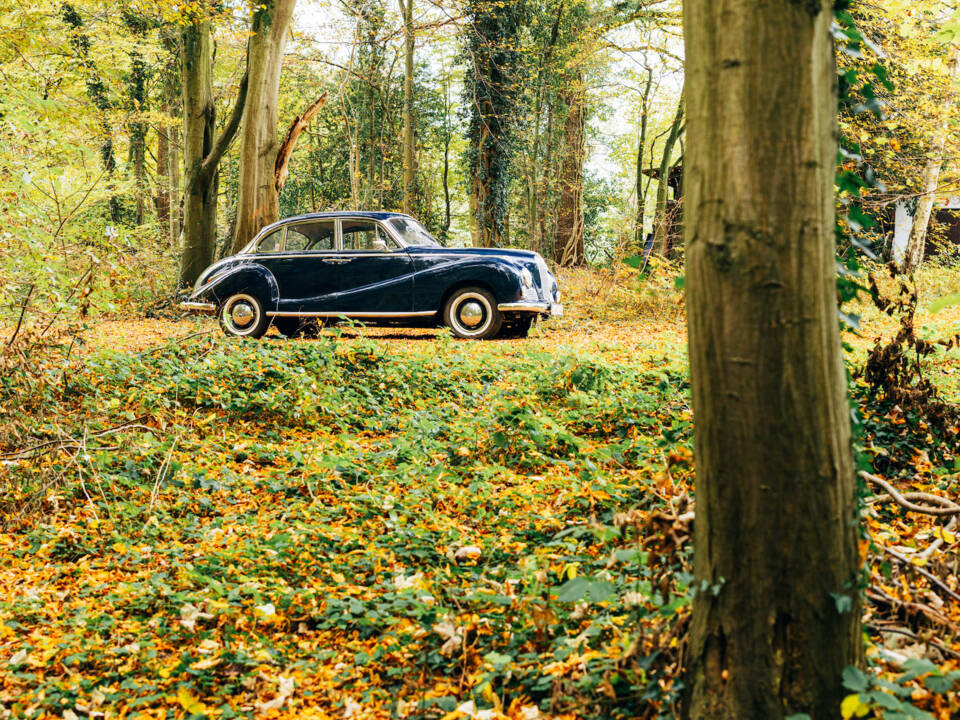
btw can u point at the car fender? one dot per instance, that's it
(244, 277)
(433, 284)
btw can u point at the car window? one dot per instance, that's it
(272, 242)
(412, 232)
(365, 235)
(314, 235)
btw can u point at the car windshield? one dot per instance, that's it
(412, 232)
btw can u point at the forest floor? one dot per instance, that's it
(389, 523)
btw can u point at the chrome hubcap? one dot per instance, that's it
(471, 314)
(242, 314)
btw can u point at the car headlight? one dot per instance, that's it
(527, 277)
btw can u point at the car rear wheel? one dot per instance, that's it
(472, 313)
(242, 315)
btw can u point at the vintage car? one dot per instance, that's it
(378, 267)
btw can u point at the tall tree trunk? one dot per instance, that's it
(161, 200)
(641, 187)
(661, 221)
(406, 9)
(171, 101)
(917, 241)
(258, 203)
(569, 248)
(137, 106)
(445, 229)
(487, 206)
(201, 152)
(777, 615)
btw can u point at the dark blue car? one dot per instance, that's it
(377, 267)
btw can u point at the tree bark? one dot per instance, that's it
(298, 125)
(257, 201)
(661, 221)
(201, 152)
(569, 247)
(776, 616)
(406, 9)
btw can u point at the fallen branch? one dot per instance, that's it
(286, 147)
(64, 443)
(950, 508)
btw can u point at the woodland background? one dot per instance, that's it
(379, 523)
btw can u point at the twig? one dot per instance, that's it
(161, 473)
(23, 310)
(954, 509)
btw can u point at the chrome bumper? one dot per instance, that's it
(541, 308)
(201, 307)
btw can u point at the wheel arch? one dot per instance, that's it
(249, 278)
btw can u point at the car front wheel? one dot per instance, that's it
(242, 315)
(472, 313)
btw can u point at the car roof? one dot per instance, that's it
(374, 214)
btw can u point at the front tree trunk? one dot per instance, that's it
(776, 617)
(257, 201)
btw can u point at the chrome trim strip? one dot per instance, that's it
(285, 313)
(198, 306)
(524, 307)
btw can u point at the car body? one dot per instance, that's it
(379, 267)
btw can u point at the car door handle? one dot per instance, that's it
(337, 261)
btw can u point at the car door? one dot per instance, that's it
(304, 265)
(375, 274)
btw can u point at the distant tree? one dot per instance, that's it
(137, 106)
(492, 85)
(96, 92)
(409, 152)
(776, 615)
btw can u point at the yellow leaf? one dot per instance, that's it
(189, 702)
(853, 706)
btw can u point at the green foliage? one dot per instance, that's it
(368, 460)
